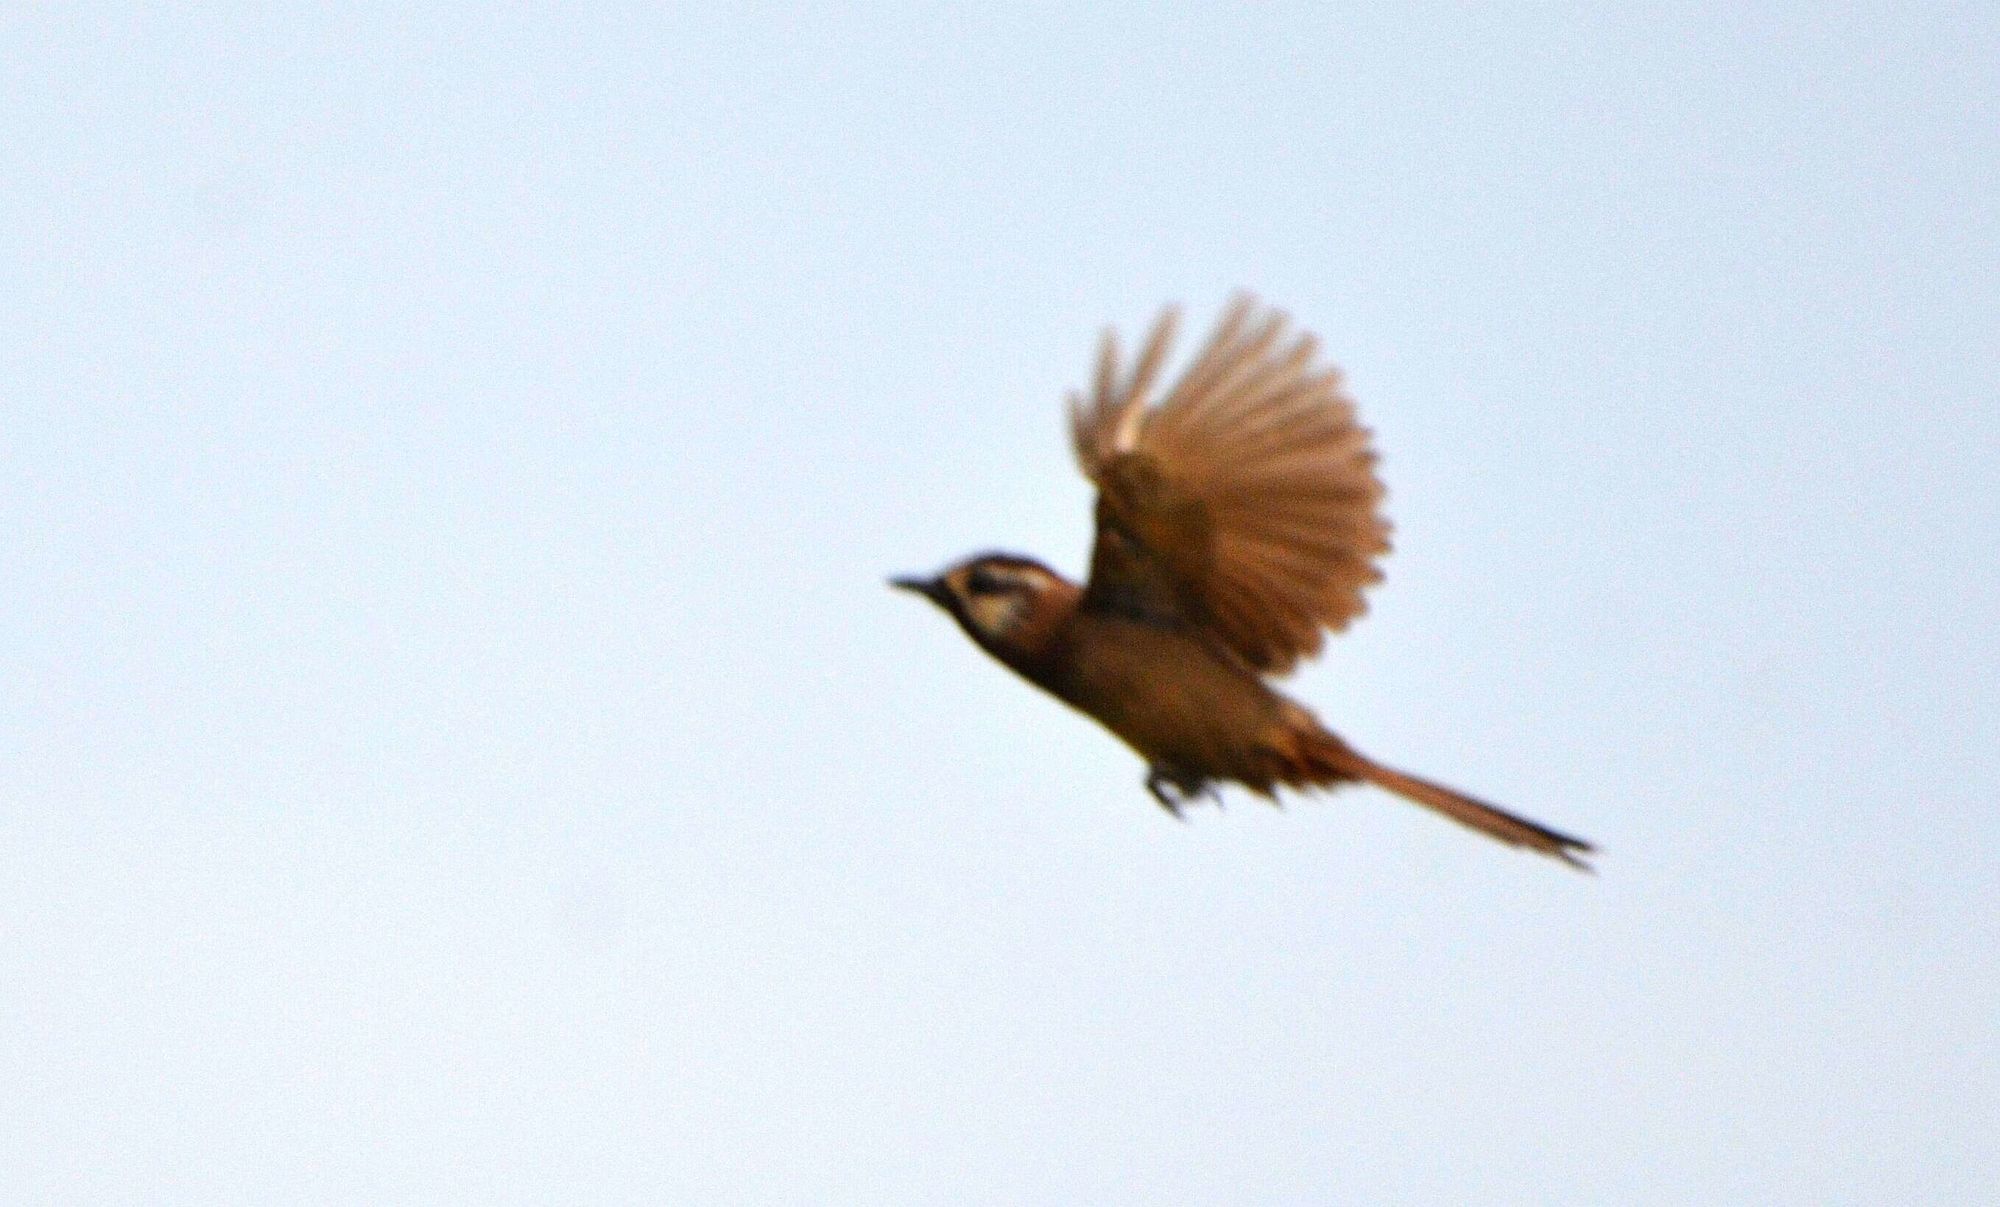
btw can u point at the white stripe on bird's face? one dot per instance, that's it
(997, 594)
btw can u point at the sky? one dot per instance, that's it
(457, 745)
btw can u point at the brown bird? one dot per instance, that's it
(1238, 520)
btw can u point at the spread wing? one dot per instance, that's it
(1245, 502)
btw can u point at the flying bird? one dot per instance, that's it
(1238, 521)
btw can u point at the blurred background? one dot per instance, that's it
(456, 744)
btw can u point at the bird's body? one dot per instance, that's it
(1236, 521)
(1193, 712)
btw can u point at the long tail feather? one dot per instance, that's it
(1328, 759)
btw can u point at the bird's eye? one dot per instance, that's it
(981, 581)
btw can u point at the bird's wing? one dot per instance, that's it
(1246, 502)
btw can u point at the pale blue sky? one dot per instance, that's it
(456, 745)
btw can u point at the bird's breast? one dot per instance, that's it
(1165, 692)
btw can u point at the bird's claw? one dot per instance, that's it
(1173, 792)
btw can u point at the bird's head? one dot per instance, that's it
(1008, 604)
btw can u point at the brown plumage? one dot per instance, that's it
(1238, 521)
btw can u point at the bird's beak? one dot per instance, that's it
(932, 589)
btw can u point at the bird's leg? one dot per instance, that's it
(1174, 789)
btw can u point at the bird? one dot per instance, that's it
(1238, 521)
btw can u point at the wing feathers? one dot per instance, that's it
(1146, 370)
(1263, 449)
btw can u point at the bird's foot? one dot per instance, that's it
(1173, 791)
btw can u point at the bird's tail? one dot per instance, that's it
(1324, 759)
